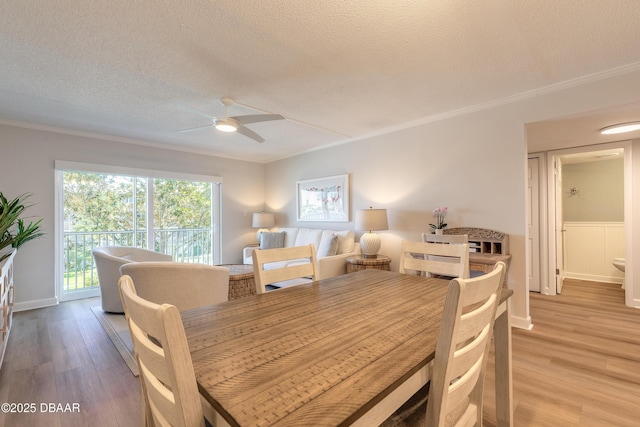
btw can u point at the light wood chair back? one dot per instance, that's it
(445, 238)
(185, 285)
(435, 259)
(307, 267)
(170, 391)
(455, 394)
(451, 239)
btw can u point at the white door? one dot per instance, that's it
(533, 224)
(559, 224)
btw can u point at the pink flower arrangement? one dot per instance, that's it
(439, 214)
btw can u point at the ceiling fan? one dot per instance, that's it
(235, 123)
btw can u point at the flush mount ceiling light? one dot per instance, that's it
(226, 125)
(620, 128)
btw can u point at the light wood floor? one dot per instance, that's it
(579, 366)
(62, 355)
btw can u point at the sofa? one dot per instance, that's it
(333, 247)
(109, 259)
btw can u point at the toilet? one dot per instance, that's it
(619, 264)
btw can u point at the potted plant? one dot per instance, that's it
(14, 232)
(439, 214)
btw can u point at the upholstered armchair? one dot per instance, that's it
(181, 284)
(108, 260)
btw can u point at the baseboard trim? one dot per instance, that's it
(593, 278)
(521, 322)
(34, 304)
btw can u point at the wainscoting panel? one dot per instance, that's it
(589, 249)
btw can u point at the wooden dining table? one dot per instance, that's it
(348, 350)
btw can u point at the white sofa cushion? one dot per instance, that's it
(328, 245)
(304, 236)
(346, 241)
(290, 234)
(308, 236)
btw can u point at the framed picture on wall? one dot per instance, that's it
(323, 199)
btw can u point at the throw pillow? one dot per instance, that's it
(272, 239)
(346, 240)
(328, 247)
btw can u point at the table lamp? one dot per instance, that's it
(371, 220)
(262, 221)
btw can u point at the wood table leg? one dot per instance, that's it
(504, 380)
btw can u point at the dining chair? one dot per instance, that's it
(292, 265)
(454, 395)
(184, 285)
(448, 239)
(435, 259)
(170, 393)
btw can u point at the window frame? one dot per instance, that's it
(62, 166)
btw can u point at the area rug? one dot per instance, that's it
(115, 325)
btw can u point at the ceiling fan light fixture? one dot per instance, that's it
(226, 125)
(620, 128)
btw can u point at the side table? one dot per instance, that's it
(359, 262)
(241, 280)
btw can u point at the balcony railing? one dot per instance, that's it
(185, 245)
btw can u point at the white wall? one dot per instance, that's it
(27, 165)
(474, 163)
(599, 194)
(413, 171)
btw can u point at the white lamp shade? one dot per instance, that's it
(371, 219)
(262, 220)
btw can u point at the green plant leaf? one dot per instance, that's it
(13, 231)
(25, 234)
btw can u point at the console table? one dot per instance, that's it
(486, 262)
(486, 247)
(6, 301)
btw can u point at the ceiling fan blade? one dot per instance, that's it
(255, 118)
(192, 129)
(249, 133)
(195, 110)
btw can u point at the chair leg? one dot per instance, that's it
(503, 366)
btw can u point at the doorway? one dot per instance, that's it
(597, 237)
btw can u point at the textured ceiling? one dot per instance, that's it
(335, 69)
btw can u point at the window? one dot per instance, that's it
(177, 214)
